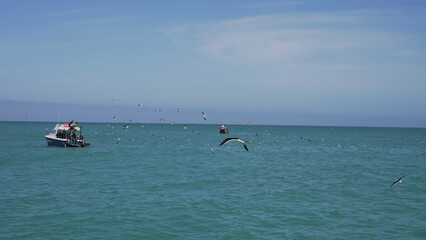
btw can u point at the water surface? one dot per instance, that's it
(163, 182)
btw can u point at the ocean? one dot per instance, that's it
(161, 181)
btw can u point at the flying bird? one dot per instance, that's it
(235, 139)
(204, 116)
(140, 105)
(114, 118)
(178, 109)
(306, 138)
(398, 181)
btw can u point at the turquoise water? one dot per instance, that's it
(163, 182)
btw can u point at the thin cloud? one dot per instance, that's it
(276, 38)
(275, 45)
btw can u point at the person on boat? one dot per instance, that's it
(73, 137)
(223, 129)
(72, 125)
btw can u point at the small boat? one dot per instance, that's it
(66, 135)
(223, 130)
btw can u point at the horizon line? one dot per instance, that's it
(230, 124)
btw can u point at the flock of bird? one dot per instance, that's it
(225, 141)
(114, 118)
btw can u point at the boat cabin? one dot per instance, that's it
(63, 131)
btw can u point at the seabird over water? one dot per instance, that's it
(114, 118)
(204, 116)
(235, 139)
(398, 181)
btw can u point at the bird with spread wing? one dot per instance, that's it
(237, 140)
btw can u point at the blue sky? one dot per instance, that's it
(360, 62)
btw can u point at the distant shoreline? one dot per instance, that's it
(21, 111)
(217, 124)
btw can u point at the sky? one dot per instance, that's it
(306, 62)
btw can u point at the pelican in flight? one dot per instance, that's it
(204, 116)
(398, 181)
(235, 139)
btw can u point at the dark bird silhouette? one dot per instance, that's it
(306, 138)
(398, 181)
(235, 139)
